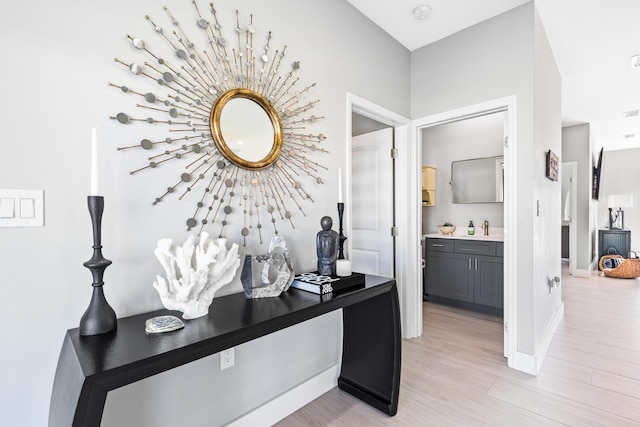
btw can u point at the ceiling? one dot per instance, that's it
(592, 40)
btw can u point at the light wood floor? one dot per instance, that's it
(455, 375)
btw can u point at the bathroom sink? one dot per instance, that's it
(497, 237)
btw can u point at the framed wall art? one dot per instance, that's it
(552, 166)
(597, 180)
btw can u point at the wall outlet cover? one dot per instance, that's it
(227, 358)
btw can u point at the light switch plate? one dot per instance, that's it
(7, 207)
(27, 208)
(21, 208)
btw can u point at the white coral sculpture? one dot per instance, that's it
(194, 273)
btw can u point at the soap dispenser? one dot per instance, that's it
(472, 229)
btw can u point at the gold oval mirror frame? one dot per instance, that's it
(221, 135)
(244, 176)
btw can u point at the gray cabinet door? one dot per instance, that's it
(488, 278)
(449, 275)
(614, 242)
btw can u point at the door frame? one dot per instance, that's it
(507, 104)
(408, 245)
(573, 237)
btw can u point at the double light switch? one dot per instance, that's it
(21, 208)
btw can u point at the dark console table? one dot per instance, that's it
(612, 242)
(90, 366)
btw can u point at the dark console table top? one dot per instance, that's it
(112, 360)
(232, 320)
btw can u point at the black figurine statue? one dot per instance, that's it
(327, 245)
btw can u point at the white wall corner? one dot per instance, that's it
(529, 363)
(290, 401)
(545, 342)
(523, 362)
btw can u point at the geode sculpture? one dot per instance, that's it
(194, 273)
(270, 274)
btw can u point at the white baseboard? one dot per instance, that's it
(523, 362)
(548, 336)
(581, 273)
(290, 401)
(531, 364)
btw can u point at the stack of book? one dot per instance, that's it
(322, 285)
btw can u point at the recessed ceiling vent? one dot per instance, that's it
(629, 135)
(631, 113)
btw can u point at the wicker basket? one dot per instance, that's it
(629, 269)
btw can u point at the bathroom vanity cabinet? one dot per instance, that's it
(464, 272)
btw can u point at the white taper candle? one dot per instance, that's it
(94, 163)
(339, 185)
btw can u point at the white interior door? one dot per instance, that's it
(372, 203)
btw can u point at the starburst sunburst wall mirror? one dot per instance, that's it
(235, 115)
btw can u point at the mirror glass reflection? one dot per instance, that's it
(246, 129)
(478, 180)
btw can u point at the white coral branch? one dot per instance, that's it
(194, 273)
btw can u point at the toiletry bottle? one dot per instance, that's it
(472, 229)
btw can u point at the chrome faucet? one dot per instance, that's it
(485, 227)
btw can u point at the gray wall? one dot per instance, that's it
(576, 147)
(361, 125)
(508, 55)
(547, 135)
(57, 59)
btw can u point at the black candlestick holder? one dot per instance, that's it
(99, 317)
(342, 236)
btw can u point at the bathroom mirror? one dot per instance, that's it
(478, 180)
(246, 129)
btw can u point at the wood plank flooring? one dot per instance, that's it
(455, 375)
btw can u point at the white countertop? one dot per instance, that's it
(494, 237)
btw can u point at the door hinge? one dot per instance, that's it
(394, 231)
(394, 153)
(506, 327)
(506, 141)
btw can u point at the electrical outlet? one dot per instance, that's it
(227, 358)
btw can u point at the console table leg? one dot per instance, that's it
(66, 386)
(371, 356)
(75, 400)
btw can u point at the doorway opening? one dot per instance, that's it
(404, 250)
(508, 106)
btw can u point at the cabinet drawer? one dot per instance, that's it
(500, 249)
(440, 245)
(473, 247)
